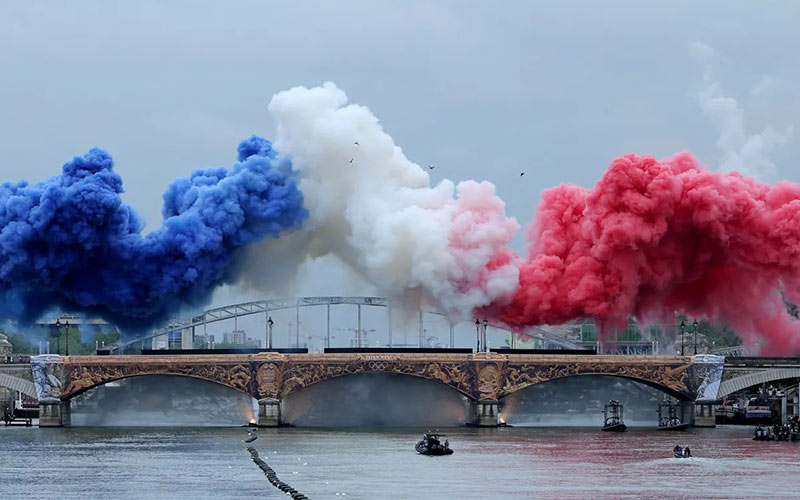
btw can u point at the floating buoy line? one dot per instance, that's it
(272, 477)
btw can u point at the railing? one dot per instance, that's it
(14, 359)
(730, 352)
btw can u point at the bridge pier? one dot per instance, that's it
(269, 412)
(53, 412)
(485, 413)
(704, 415)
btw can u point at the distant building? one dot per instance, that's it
(5, 346)
(236, 337)
(239, 339)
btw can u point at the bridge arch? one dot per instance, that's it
(18, 384)
(297, 378)
(81, 378)
(737, 384)
(673, 376)
(677, 394)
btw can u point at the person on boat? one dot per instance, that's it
(677, 450)
(687, 452)
(446, 443)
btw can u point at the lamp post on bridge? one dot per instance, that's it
(66, 332)
(695, 327)
(485, 344)
(478, 335)
(269, 339)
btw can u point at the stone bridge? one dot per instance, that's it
(484, 378)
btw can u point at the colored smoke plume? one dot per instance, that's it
(377, 211)
(650, 239)
(656, 237)
(70, 241)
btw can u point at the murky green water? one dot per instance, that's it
(513, 463)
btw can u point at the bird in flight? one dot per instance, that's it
(351, 160)
(431, 167)
(356, 143)
(521, 174)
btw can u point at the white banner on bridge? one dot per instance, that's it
(711, 369)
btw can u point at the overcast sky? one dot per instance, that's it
(483, 90)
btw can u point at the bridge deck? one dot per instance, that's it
(615, 359)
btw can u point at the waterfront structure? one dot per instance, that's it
(483, 378)
(270, 377)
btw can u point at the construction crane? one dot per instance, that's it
(357, 339)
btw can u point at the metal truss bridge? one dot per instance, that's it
(266, 307)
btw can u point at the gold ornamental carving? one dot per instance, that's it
(79, 378)
(488, 379)
(456, 375)
(268, 379)
(675, 378)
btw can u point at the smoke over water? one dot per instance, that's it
(650, 239)
(656, 237)
(376, 400)
(70, 241)
(376, 210)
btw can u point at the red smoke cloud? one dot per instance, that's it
(655, 237)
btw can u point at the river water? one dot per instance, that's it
(512, 463)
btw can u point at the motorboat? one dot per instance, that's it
(668, 417)
(612, 417)
(758, 409)
(681, 452)
(431, 444)
(763, 434)
(782, 432)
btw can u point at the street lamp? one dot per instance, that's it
(269, 340)
(478, 334)
(695, 326)
(66, 331)
(485, 324)
(683, 330)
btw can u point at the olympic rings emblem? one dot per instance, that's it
(378, 366)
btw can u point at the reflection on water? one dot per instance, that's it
(508, 463)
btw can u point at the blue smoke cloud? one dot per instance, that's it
(71, 242)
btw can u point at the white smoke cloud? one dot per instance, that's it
(747, 154)
(377, 211)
